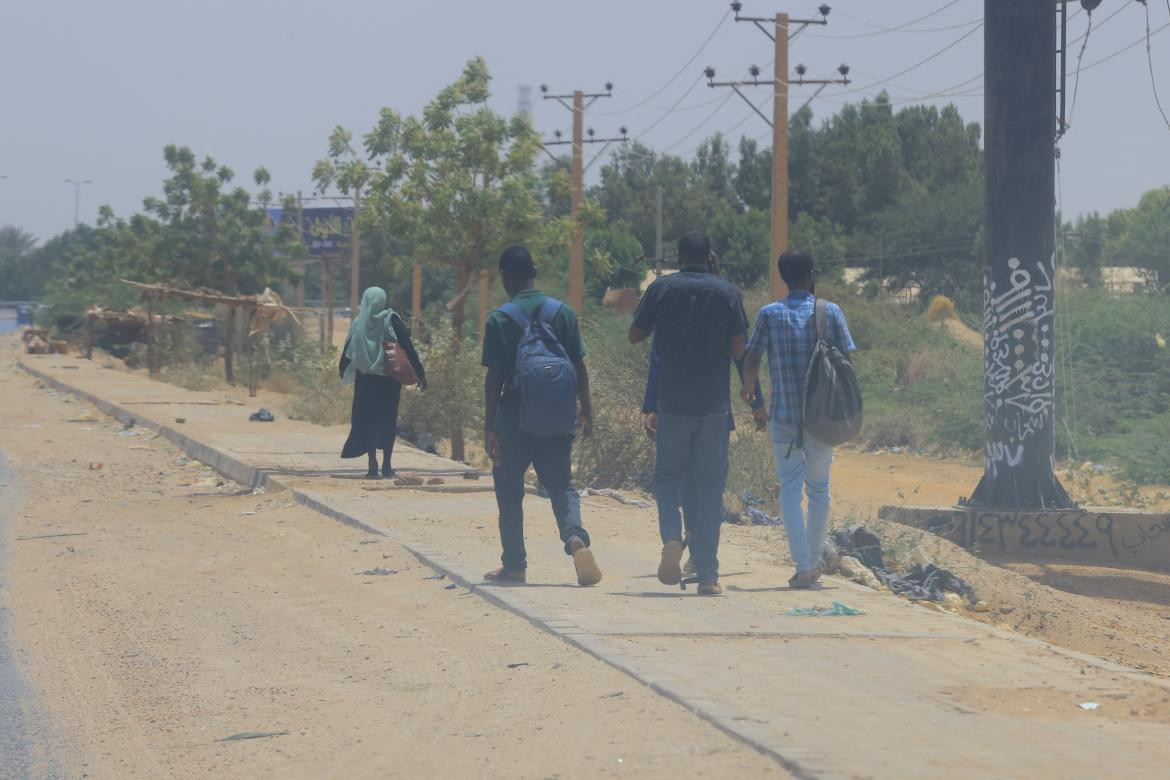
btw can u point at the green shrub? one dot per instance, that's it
(455, 381)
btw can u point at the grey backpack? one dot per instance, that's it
(832, 395)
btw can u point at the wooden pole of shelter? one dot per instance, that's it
(252, 378)
(151, 346)
(229, 338)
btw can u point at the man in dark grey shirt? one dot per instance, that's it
(699, 325)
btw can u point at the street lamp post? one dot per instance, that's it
(77, 185)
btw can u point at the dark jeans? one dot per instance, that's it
(691, 462)
(551, 456)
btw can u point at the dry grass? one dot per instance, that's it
(941, 308)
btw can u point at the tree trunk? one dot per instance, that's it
(458, 447)
(229, 337)
(1018, 294)
(485, 299)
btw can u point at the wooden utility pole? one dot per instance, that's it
(780, 33)
(580, 102)
(1020, 126)
(576, 196)
(779, 157)
(355, 256)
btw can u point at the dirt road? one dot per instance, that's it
(209, 614)
(156, 612)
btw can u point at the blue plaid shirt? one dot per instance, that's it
(787, 332)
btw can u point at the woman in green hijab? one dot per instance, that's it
(374, 418)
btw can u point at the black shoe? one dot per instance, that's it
(372, 474)
(388, 472)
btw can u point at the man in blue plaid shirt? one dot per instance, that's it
(786, 330)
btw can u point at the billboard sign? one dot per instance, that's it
(325, 229)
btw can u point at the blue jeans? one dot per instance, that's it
(809, 466)
(691, 464)
(551, 456)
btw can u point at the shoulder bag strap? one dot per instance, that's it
(821, 314)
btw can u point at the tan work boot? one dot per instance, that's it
(588, 572)
(710, 589)
(689, 566)
(503, 574)
(669, 572)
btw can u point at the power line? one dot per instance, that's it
(1067, 121)
(680, 71)
(1124, 49)
(945, 28)
(915, 66)
(1150, 60)
(881, 29)
(669, 111)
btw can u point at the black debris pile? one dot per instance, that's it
(918, 583)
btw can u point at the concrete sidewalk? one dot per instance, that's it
(897, 691)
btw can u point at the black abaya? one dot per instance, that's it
(373, 422)
(374, 419)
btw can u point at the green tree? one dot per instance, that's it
(455, 185)
(1084, 246)
(212, 234)
(743, 241)
(1142, 237)
(614, 260)
(628, 192)
(753, 175)
(20, 278)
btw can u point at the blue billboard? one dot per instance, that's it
(325, 230)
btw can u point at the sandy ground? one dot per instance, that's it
(155, 611)
(1119, 614)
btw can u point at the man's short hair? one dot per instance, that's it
(694, 248)
(796, 267)
(516, 261)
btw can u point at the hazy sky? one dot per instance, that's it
(94, 90)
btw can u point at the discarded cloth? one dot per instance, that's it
(263, 415)
(761, 518)
(837, 610)
(918, 583)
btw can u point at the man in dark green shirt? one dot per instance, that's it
(513, 449)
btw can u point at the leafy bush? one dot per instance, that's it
(455, 381)
(619, 455)
(320, 398)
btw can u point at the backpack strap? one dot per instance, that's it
(513, 312)
(549, 310)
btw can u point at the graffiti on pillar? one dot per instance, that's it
(1103, 534)
(1018, 364)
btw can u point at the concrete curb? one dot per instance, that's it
(661, 683)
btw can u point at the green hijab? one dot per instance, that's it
(368, 330)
